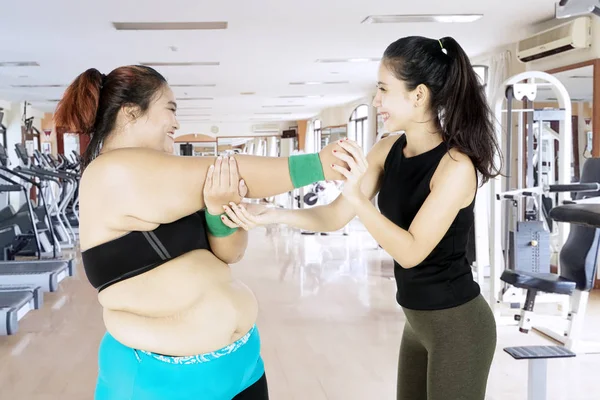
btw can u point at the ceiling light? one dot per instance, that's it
(38, 86)
(443, 18)
(346, 60)
(580, 77)
(19, 64)
(320, 83)
(248, 93)
(181, 64)
(168, 26)
(194, 98)
(194, 85)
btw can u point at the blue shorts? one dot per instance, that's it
(129, 374)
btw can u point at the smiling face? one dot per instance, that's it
(399, 107)
(156, 128)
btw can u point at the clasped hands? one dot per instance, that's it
(224, 190)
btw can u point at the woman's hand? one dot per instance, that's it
(223, 185)
(328, 158)
(356, 170)
(248, 216)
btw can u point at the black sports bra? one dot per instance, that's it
(138, 252)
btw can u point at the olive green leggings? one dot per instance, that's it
(447, 354)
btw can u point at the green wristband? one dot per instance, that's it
(305, 169)
(216, 227)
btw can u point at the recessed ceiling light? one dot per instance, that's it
(194, 98)
(320, 83)
(169, 26)
(19, 64)
(248, 93)
(193, 85)
(181, 64)
(38, 86)
(580, 77)
(346, 60)
(443, 18)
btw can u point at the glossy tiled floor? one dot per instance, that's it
(329, 324)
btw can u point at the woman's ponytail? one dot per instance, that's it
(76, 112)
(466, 118)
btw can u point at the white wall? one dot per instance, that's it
(340, 115)
(229, 128)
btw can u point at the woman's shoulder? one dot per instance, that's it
(382, 148)
(455, 165)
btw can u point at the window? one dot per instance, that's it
(359, 125)
(482, 73)
(317, 131)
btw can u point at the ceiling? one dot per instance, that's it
(579, 83)
(268, 44)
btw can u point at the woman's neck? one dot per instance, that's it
(421, 139)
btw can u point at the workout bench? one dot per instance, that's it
(538, 357)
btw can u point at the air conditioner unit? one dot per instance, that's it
(266, 129)
(575, 34)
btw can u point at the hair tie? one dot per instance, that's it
(103, 81)
(442, 46)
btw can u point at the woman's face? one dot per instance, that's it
(399, 107)
(157, 127)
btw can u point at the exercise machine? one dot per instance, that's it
(581, 250)
(528, 224)
(578, 265)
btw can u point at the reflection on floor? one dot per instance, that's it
(329, 324)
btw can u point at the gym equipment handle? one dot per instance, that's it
(575, 187)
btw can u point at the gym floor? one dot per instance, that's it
(329, 324)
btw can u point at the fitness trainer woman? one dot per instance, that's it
(427, 181)
(179, 326)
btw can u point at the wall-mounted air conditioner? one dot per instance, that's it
(575, 34)
(266, 129)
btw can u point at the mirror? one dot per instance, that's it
(579, 83)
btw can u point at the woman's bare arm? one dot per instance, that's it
(160, 188)
(337, 214)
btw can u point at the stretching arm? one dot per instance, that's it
(340, 212)
(160, 188)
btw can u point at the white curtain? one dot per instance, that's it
(498, 73)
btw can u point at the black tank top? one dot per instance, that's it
(444, 279)
(138, 252)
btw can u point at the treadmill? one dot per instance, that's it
(15, 302)
(43, 273)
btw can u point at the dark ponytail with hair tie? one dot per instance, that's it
(458, 99)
